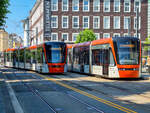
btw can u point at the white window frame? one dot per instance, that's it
(139, 34)
(96, 3)
(115, 1)
(73, 36)
(116, 34)
(87, 22)
(56, 21)
(73, 22)
(125, 34)
(127, 22)
(63, 22)
(118, 23)
(87, 6)
(56, 36)
(104, 22)
(52, 5)
(139, 23)
(97, 35)
(139, 5)
(127, 1)
(73, 4)
(65, 5)
(106, 34)
(97, 23)
(67, 37)
(104, 6)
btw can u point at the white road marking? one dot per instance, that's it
(15, 103)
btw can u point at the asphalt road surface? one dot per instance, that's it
(29, 92)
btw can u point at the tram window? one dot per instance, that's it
(97, 57)
(39, 55)
(69, 57)
(28, 56)
(33, 57)
(86, 56)
(76, 56)
(112, 62)
(21, 55)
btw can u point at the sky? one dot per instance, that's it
(19, 10)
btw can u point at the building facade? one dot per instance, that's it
(26, 32)
(4, 37)
(107, 18)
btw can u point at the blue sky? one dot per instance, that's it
(19, 10)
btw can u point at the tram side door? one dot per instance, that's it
(105, 61)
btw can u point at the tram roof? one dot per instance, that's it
(70, 45)
(82, 44)
(125, 38)
(101, 41)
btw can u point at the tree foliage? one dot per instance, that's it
(147, 44)
(85, 36)
(3, 11)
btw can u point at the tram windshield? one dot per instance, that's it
(55, 53)
(127, 52)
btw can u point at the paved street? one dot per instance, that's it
(30, 92)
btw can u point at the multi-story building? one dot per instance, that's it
(4, 37)
(55, 20)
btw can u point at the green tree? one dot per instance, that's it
(3, 11)
(147, 44)
(85, 36)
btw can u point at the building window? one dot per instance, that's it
(106, 22)
(116, 5)
(106, 35)
(96, 22)
(54, 37)
(137, 4)
(125, 35)
(75, 22)
(139, 35)
(54, 21)
(86, 5)
(135, 22)
(116, 22)
(64, 21)
(107, 6)
(96, 5)
(65, 36)
(126, 5)
(65, 5)
(97, 35)
(75, 5)
(74, 36)
(85, 21)
(54, 5)
(116, 35)
(126, 22)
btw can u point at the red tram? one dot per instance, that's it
(117, 57)
(49, 57)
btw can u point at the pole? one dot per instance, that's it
(36, 49)
(129, 27)
(137, 22)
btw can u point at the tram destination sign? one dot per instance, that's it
(47, 23)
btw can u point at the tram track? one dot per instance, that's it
(104, 84)
(79, 100)
(37, 93)
(70, 83)
(105, 93)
